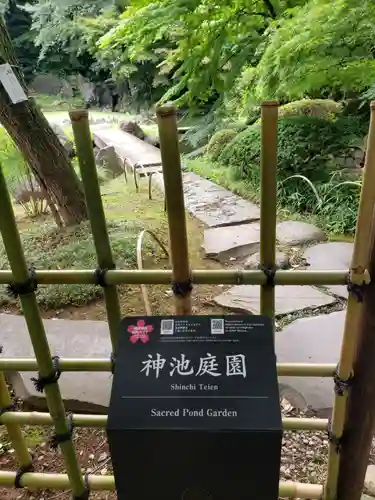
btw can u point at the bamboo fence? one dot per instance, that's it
(181, 278)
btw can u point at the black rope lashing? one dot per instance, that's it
(182, 288)
(355, 290)
(99, 275)
(113, 362)
(57, 439)
(21, 471)
(86, 494)
(270, 273)
(336, 441)
(41, 382)
(341, 385)
(25, 288)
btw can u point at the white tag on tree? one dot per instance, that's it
(11, 84)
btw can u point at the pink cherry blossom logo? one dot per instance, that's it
(140, 332)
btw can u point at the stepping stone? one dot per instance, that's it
(332, 256)
(288, 298)
(215, 206)
(311, 340)
(295, 233)
(223, 243)
(369, 486)
(81, 391)
(281, 261)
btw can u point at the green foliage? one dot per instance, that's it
(319, 49)
(72, 248)
(322, 108)
(306, 145)
(218, 141)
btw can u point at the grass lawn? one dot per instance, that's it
(127, 213)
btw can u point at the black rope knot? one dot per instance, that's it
(86, 494)
(183, 288)
(41, 382)
(341, 385)
(336, 441)
(28, 287)
(354, 289)
(21, 471)
(57, 439)
(270, 273)
(99, 275)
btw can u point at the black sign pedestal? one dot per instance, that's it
(194, 412)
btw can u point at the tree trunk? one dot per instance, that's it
(40, 146)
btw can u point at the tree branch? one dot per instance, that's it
(271, 9)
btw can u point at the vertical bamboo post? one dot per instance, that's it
(86, 159)
(14, 430)
(174, 196)
(352, 331)
(13, 248)
(269, 118)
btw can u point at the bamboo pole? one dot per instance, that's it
(107, 483)
(13, 248)
(105, 365)
(85, 153)
(174, 195)
(269, 116)
(199, 277)
(82, 420)
(358, 274)
(360, 413)
(14, 430)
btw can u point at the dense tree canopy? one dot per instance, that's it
(227, 53)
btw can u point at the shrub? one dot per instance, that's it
(307, 145)
(322, 108)
(218, 141)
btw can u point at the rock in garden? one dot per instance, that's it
(295, 233)
(81, 391)
(281, 261)
(291, 298)
(310, 340)
(335, 255)
(64, 139)
(132, 128)
(224, 243)
(107, 158)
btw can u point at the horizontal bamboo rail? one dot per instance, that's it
(35, 480)
(105, 365)
(81, 420)
(199, 277)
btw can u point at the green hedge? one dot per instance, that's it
(218, 142)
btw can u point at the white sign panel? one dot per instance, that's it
(11, 84)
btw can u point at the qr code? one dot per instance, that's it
(167, 327)
(217, 326)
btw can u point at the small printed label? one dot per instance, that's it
(217, 326)
(167, 327)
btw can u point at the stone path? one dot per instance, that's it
(82, 391)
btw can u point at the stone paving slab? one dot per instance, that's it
(331, 256)
(296, 233)
(311, 340)
(215, 206)
(82, 391)
(281, 261)
(288, 298)
(223, 243)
